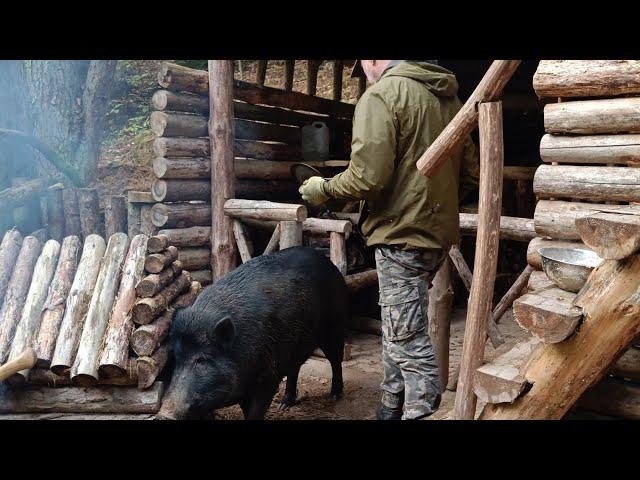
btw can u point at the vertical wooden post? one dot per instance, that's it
(312, 76)
(262, 72)
(486, 259)
(115, 215)
(337, 79)
(439, 314)
(55, 213)
(221, 133)
(338, 251)
(289, 68)
(290, 234)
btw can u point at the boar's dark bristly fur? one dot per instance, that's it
(252, 328)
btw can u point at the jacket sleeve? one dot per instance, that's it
(469, 169)
(373, 152)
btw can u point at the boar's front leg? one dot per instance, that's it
(256, 405)
(291, 390)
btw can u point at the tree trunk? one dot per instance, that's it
(16, 295)
(54, 306)
(77, 304)
(115, 345)
(85, 367)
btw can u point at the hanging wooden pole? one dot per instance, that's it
(486, 258)
(221, 134)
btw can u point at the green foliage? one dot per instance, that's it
(197, 64)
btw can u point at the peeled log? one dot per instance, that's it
(188, 237)
(290, 234)
(587, 78)
(89, 211)
(562, 372)
(9, 250)
(620, 184)
(101, 399)
(156, 262)
(533, 257)
(41, 376)
(511, 228)
(54, 306)
(556, 219)
(538, 280)
(611, 236)
(548, 314)
(85, 366)
(502, 380)
(181, 215)
(598, 149)
(17, 290)
(616, 115)
(146, 309)
(150, 367)
(180, 102)
(194, 258)
(77, 304)
(338, 251)
(115, 346)
(115, 215)
(154, 283)
(264, 210)
(31, 316)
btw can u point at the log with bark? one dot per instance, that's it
(154, 283)
(358, 281)
(591, 149)
(146, 221)
(54, 305)
(157, 262)
(85, 367)
(338, 251)
(55, 213)
(562, 372)
(181, 215)
(187, 237)
(274, 241)
(150, 367)
(503, 380)
(203, 277)
(587, 182)
(115, 345)
(290, 234)
(612, 236)
(182, 79)
(9, 250)
(557, 219)
(322, 226)
(241, 241)
(31, 316)
(511, 228)
(100, 399)
(548, 314)
(194, 258)
(17, 196)
(533, 257)
(115, 215)
(587, 78)
(157, 243)
(194, 190)
(439, 314)
(77, 304)
(16, 293)
(71, 213)
(42, 376)
(89, 211)
(146, 338)
(147, 309)
(590, 117)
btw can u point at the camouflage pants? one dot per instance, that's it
(408, 357)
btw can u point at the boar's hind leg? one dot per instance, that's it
(334, 353)
(291, 390)
(255, 406)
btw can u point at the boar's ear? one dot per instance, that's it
(224, 330)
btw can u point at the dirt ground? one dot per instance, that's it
(362, 376)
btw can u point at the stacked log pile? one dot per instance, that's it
(267, 133)
(71, 304)
(166, 287)
(581, 349)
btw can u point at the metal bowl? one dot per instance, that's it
(568, 268)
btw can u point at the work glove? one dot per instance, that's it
(312, 191)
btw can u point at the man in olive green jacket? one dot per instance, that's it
(410, 220)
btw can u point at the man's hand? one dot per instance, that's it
(312, 191)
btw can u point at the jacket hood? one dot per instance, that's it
(440, 81)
